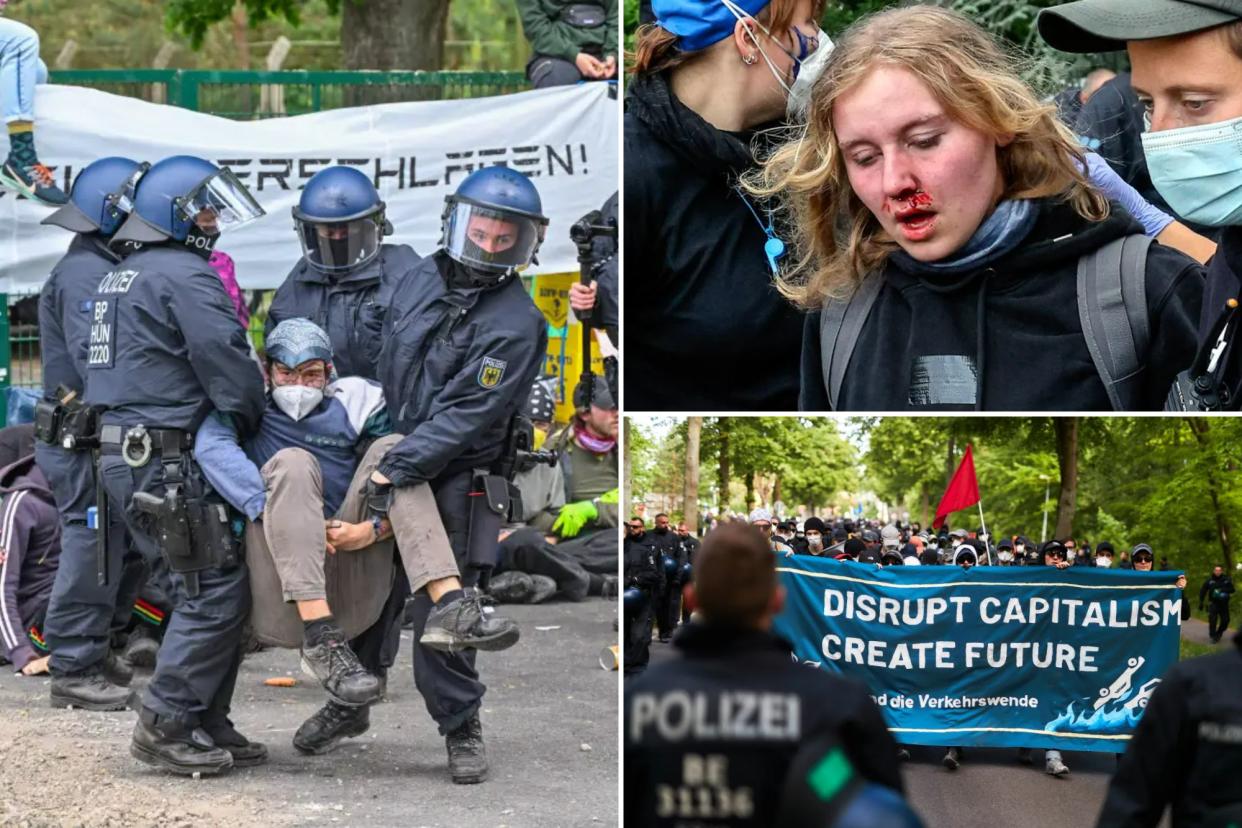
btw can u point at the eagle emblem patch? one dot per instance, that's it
(491, 372)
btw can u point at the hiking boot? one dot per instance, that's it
(903, 755)
(1024, 756)
(467, 758)
(245, 753)
(511, 588)
(952, 758)
(141, 648)
(177, 747)
(333, 662)
(33, 180)
(117, 670)
(88, 690)
(461, 624)
(1053, 766)
(329, 725)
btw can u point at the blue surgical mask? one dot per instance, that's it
(1198, 171)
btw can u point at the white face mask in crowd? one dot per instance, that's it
(1198, 171)
(1005, 555)
(1104, 561)
(297, 400)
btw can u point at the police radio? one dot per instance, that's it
(1202, 386)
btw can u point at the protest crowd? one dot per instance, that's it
(384, 457)
(666, 599)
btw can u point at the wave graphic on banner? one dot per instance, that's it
(1117, 710)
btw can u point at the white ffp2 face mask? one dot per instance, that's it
(297, 400)
(1103, 561)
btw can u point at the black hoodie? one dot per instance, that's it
(923, 333)
(29, 554)
(714, 333)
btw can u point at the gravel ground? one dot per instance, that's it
(549, 719)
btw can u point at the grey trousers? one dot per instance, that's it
(287, 550)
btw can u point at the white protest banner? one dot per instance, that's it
(565, 139)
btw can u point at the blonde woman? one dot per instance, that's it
(941, 214)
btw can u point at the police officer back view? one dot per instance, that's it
(710, 737)
(164, 349)
(81, 608)
(346, 278)
(462, 344)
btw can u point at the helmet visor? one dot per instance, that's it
(341, 245)
(490, 239)
(123, 198)
(221, 203)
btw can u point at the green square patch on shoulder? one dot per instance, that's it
(491, 372)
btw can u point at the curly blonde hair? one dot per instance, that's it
(974, 78)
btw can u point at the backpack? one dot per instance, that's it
(1112, 307)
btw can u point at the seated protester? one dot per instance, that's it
(315, 582)
(967, 203)
(29, 553)
(575, 539)
(571, 41)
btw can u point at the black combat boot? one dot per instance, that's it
(88, 690)
(461, 624)
(329, 725)
(245, 752)
(175, 746)
(467, 758)
(141, 648)
(117, 670)
(330, 659)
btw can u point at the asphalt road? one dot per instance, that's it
(992, 790)
(549, 719)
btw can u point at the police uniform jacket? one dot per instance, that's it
(65, 311)
(738, 694)
(165, 346)
(350, 306)
(456, 365)
(641, 569)
(1186, 751)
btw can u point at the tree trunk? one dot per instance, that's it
(950, 460)
(722, 472)
(627, 479)
(1067, 460)
(241, 36)
(1200, 428)
(750, 491)
(926, 507)
(394, 34)
(690, 502)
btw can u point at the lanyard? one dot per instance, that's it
(773, 248)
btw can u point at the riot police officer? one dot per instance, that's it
(81, 609)
(462, 343)
(643, 578)
(668, 598)
(165, 349)
(346, 278)
(344, 283)
(696, 747)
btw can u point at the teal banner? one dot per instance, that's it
(992, 656)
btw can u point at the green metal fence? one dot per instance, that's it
(246, 95)
(241, 95)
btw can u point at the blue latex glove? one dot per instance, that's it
(1106, 180)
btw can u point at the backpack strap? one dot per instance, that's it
(1112, 307)
(840, 324)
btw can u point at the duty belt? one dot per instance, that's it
(137, 443)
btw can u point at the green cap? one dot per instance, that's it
(1106, 25)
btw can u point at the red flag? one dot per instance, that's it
(963, 490)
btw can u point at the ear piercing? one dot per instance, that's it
(750, 59)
